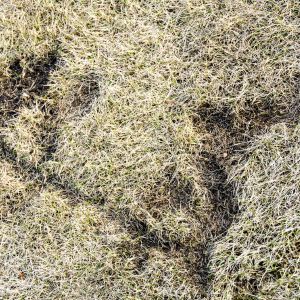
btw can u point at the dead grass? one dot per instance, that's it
(138, 110)
(51, 249)
(259, 256)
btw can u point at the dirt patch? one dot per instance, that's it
(25, 83)
(221, 190)
(86, 90)
(35, 77)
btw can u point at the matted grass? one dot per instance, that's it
(138, 110)
(259, 256)
(51, 249)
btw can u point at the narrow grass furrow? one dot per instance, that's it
(34, 173)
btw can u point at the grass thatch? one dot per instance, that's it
(51, 249)
(259, 256)
(138, 110)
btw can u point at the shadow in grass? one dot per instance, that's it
(35, 80)
(25, 83)
(234, 136)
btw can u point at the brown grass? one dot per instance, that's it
(136, 113)
(259, 256)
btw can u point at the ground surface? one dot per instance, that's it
(149, 149)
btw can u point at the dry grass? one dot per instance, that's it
(24, 134)
(51, 249)
(259, 256)
(136, 109)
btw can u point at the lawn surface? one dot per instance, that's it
(149, 149)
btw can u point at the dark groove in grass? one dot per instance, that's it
(34, 173)
(221, 190)
(139, 229)
(220, 123)
(22, 88)
(35, 83)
